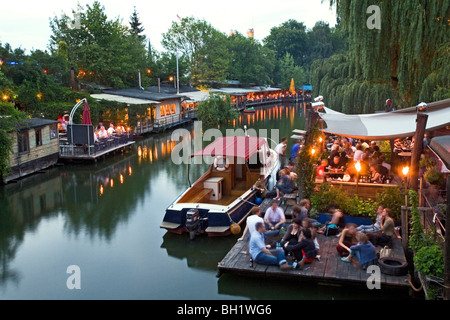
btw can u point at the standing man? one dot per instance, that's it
(280, 149)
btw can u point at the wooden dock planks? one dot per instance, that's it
(328, 270)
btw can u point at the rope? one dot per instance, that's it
(412, 286)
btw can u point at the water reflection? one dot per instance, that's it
(93, 200)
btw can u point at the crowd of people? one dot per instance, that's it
(274, 241)
(102, 133)
(345, 153)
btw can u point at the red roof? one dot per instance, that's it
(238, 146)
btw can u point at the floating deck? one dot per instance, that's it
(329, 270)
(81, 153)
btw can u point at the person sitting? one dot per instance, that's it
(364, 252)
(260, 187)
(304, 249)
(378, 173)
(307, 224)
(347, 239)
(336, 166)
(335, 225)
(357, 156)
(102, 134)
(321, 169)
(384, 236)
(274, 217)
(253, 218)
(292, 232)
(373, 227)
(299, 212)
(111, 129)
(259, 252)
(285, 184)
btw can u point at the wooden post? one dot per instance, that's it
(404, 226)
(421, 123)
(447, 248)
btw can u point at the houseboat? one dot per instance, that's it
(219, 201)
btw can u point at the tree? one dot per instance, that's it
(10, 118)
(290, 37)
(203, 45)
(289, 70)
(216, 110)
(136, 27)
(101, 50)
(251, 63)
(407, 59)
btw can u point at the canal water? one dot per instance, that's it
(104, 219)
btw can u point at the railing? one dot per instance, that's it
(102, 145)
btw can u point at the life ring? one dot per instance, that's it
(218, 163)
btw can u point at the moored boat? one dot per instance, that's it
(249, 110)
(218, 202)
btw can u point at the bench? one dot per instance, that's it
(202, 195)
(290, 198)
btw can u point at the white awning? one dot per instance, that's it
(122, 99)
(386, 125)
(196, 96)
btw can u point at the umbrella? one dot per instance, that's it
(292, 87)
(86, 114)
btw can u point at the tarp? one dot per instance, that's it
(386, 125)
(237, 146)
(441, 147)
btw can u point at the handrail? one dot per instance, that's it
(74, 109)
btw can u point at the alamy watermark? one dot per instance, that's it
(374, 280)
(374, 21)
(74, 280)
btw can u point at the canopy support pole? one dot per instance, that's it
(421, 123)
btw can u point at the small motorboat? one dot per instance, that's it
(220, 200)
(249, 110)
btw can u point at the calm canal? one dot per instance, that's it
(105, 218)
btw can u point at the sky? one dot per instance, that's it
(25, 23)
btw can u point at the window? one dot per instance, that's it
(162, 110)
(53, 131)
(38, 135)
(167, 109)
(23, 142)
(174, 110)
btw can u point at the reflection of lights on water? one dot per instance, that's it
(139, 151)
(121, 178)
(101, 190)
(130, 171)
(111, 183)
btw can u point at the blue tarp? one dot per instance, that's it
(306, 88)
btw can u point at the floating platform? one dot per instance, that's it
(81, 153)
(329, 270)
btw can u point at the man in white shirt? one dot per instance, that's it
(253, 218)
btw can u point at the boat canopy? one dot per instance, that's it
(236, 146)
(385, 125)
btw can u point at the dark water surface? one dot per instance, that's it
(105, 218)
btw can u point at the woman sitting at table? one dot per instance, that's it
(111, 129)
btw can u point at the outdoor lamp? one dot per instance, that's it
(405, 171)
(313, 151)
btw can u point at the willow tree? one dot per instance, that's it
(406, 58)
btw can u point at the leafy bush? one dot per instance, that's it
(429, 260)
(327, 195)
(434, 177)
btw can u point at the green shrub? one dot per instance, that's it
(393, 199)
(429, 260)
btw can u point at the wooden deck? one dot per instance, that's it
(329, 270)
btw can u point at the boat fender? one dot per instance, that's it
(218, 163)
(235, 228)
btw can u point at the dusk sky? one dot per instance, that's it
(25, 23)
